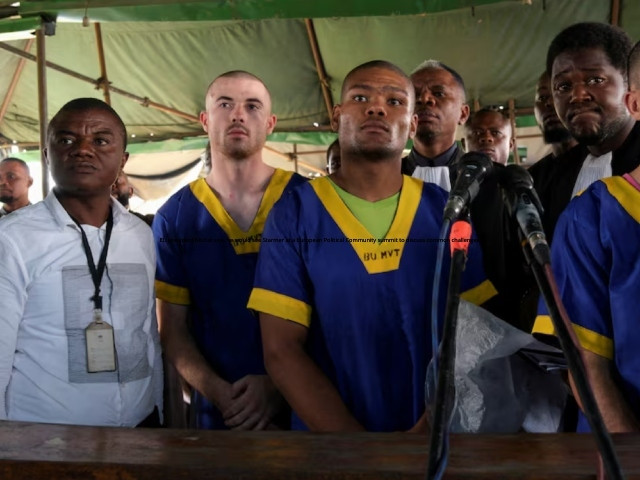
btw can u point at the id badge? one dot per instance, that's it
(101, 349)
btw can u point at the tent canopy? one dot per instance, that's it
(498, 47)
(159, 56)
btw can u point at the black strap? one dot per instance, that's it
(96, 273)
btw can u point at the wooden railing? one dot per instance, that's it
(33, 451)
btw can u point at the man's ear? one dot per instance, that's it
(335, 117)
(125, 157)
(465, 111)
(632, 103)
(271, 124)
(204, 121)
(413, 126)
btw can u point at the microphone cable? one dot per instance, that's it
(435, 294)
(444, 401)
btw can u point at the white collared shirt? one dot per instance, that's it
(45, 290)
(593, 169)
(437, 175)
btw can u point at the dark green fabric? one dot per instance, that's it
(498, 47)
(207, 10)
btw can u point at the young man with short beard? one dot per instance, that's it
(207, 236)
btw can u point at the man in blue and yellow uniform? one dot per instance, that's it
(595, 262)
(207, 238)
(594, 258)
(345, 272)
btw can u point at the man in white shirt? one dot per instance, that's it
(79, 341)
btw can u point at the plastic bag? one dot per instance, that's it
(506, 381)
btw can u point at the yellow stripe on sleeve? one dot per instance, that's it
(172, 294)
(590, 340)
(280, 305)
(594, 342)
(480, 293)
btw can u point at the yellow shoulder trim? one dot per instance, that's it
(172, 294)
(626, 194)
(544, 325)
(480, 293)
(280, 305)
(241, 241)
(590, 340)
(376, 256)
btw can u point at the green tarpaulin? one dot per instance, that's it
(498, 47)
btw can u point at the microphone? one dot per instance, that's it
(472, 168)
(523, 203)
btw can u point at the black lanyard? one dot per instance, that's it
(96, 273)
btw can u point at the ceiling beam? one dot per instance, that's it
(43, 111)
(144, 101)
(615, 13)
(293, 157)
(14, 81)
(310, 167)
(322, 74)
(104, 79)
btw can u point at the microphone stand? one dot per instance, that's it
(445, 389)
(572, 351)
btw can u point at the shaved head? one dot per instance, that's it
(238, 115)
(237, 74)
(383, 64)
